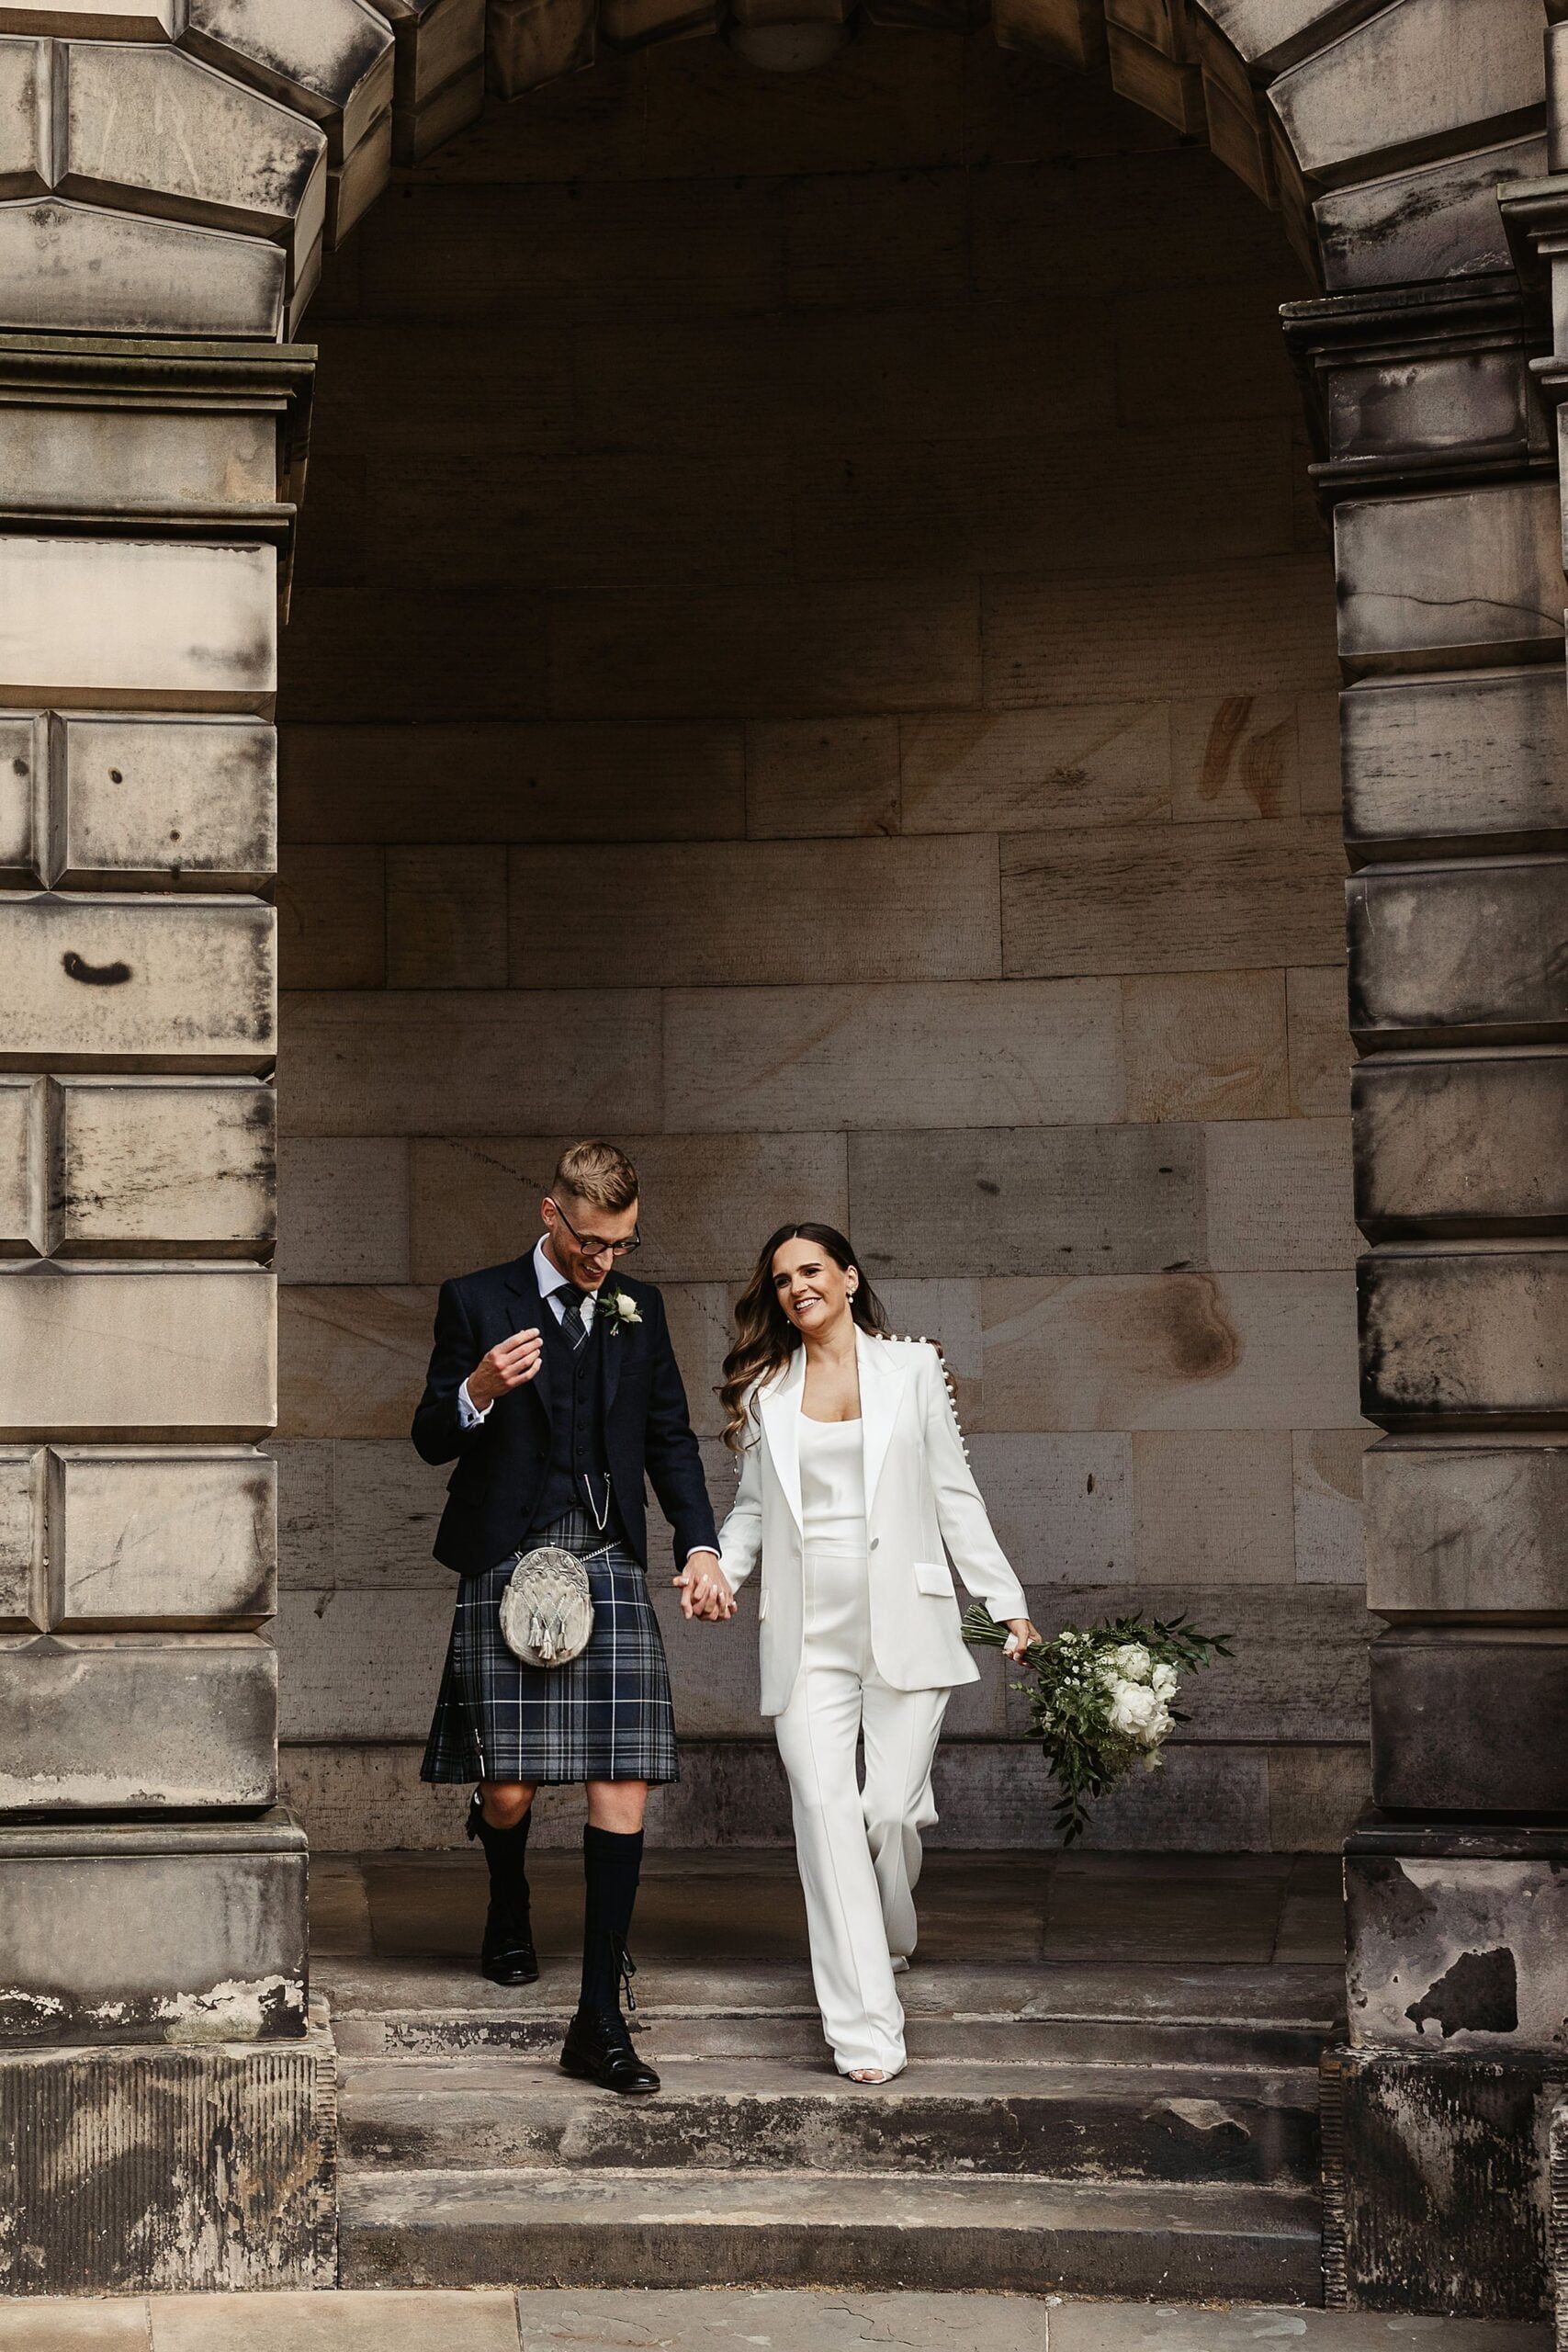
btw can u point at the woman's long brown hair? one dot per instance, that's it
(765, 1338)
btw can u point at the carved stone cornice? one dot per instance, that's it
(1421, 386)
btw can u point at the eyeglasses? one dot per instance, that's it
(590, 1244)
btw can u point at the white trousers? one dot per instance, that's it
(859, 1849)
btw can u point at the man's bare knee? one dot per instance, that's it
(505, 1802)
(618, 1805)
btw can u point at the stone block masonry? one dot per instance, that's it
(866, 793)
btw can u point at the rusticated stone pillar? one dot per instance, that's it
(1441, 465)
(152, 1891)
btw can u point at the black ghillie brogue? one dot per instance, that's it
(506, 1952)
(599, 2049)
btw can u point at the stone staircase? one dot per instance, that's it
(1133, 2130)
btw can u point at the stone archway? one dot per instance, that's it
(174, 174)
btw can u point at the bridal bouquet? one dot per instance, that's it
(1103, 1701)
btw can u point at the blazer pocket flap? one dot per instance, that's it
(934, 1576)
(762, 1604)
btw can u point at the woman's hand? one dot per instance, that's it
(1022, 1631)
(704, 1590)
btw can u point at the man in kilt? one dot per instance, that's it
(557, 1391)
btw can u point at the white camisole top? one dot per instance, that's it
(832, 1483)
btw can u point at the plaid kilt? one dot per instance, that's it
(605, 1716)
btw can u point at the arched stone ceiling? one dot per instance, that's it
(178, 166)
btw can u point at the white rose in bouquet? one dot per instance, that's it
(1132, 1662)
(1162, 1682)
(1134, 1710)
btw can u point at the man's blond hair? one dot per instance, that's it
(598, 1174)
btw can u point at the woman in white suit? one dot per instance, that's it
(853, 1480)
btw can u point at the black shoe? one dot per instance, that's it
(506, 1955)
(599, 2049)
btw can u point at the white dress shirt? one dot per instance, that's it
(552, 1282)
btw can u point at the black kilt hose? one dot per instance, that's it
(605, 1716)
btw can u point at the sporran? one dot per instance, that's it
(547, 1610)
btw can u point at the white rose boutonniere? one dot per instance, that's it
(618, 1308)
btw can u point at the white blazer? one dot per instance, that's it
(919, 1495)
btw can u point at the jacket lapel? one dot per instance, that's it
(522, 1284)
(780, 1409)
(884, 1368)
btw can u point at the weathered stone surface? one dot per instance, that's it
(815, 777)
(1272, 34)
(1452, 1145)
(361, 1512)
(1409, 84)
(1097, 1200)
(1328, 1508)
(1321, 1052)
(353, 1359)
(192, 1932)
(92, 20)
(1462, 578)
(164, 804)
(446, 918)
(129, 462)
(1213, 1507)
(858, 910)
(709, 1204)
(1236, 755)
(128, 2159)
(147, 127)
(137, 982)
(24, 84)
(1448, 1702)
(1277, 1194)
(1234, 628)
(537, 41)
(107, 621)
(75, 269)
(1437, 765)
(1477, 1529)
(1316, 1797)
(1435, 405)
(1192, 1351)
(149, 1168)
(581, 781)
(989, 1053)
(1463, 1948)
(169, 1537)
(334, 65)
(433, 1065)
(1062, 1507)
(23, 1181)
(24, 1603)
(353, 186)
(332, 917)
(1464, 1337)
(195, 1722)
(1465, 953)
(1215, 897)
(146, 1351)
(1438, 220)
(971, 771)
(342, 1210)
(1436, 2185)
(24, 763)
(1206, 1045)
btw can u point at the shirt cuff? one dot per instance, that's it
(468, 1413)
(704, 1551)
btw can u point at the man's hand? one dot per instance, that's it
(704, 1590)
(511, 1365)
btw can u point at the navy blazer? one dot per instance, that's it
(503, 1463)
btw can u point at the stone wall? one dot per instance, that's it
(814, 655)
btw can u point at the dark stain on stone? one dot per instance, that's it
(1219, 751)
(1200, 1341)
(1480, 1993)
(98, 976)
(984, 1184)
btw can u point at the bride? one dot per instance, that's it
(854, 1479)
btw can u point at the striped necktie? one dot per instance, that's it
(571, 1322)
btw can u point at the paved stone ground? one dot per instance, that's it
(710, 2321)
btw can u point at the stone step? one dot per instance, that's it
(1279, 2015)
(1067, 2121)
(752, 2229)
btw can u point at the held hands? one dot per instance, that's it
(1022, 1630)
(511, 1365)
(704, 1590)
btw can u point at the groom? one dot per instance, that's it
(554, 1386)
